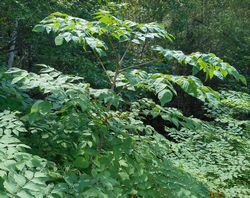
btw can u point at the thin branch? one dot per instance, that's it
(142, 64)
(118, 64)
(113, 48)
(20, 61)
(114, 79)
(103, 67)
(143, 48)
(123, 56)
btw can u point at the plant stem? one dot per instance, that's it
(141, 64)
(101, 63)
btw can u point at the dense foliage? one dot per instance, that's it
(122, 131)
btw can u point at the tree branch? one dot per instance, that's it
(141, 64)
(143, 48)
(123, 56)
(103, 67)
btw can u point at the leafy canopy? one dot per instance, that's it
(63, 138)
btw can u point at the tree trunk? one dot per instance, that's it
(12, 46)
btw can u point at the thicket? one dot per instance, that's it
(124, 134)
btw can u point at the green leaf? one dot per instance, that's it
(165, 96)
(123, 163)
(83, 101)
(38, 28)
(81, 162)
(10, 186)
(59, 40)
(41, 106)
(20, 77)
(243, 80)
(124, 175)
(195, 70)
(218, 74)
(136, 41)
(24, 194)
(20, 180)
